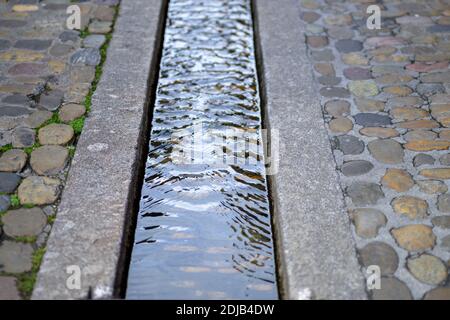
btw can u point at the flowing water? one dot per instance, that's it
(204, 228)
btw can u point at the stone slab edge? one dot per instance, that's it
(94, 211)
(315, 250)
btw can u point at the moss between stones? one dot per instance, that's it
(29, 150)
(26, 239)
(71, 150)
(53, 119)
(6, 148)
(51, 218)
(26, 281)
(77, 125)
(84, 33)
(99, 68)
(14, 200)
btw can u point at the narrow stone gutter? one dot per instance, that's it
(316, 253)
(203, 228)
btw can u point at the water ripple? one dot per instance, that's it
(204, 227)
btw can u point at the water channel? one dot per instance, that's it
(204, 227)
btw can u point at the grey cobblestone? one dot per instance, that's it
(38, 76)
(399, 100)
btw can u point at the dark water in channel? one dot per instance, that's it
(204, 230)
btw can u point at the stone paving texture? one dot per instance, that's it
(386, 101)
(317, 256)
(46, 73)
(95, 211)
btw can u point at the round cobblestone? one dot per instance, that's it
(325, 69)
(8, 182)
(369, 105)
(432, 186)
(379, 132)
(13, 160)
(87, 56)
(441, 222)
(423, 159)
(398, 90)
(414, 237)
(340, 33)
(349, 144)
(372, 120)
(37, 118)
(23, 137)
(317, 41)
(428, 269)
(442, 293)
(51, 101)
(49, 160)
(329, 81)
(437, 173)
(15, 257)
(94, 41)
(356, 168)
(9, 288)
(398, 180)
(363, 88)
(24, 222)
(71, 112)
(355, 59)
(341, 125)
(412, 207)
(379, 254)
(364, 193)
(408, 113)
(348, 45)
(60, 50)
(33, 44)
(417, 136)
(392, 289)
(445, 243)
(101, 27)
(337, 108)
(357, 73)
(38, 190)
(386, 151)
(368, 221)
(443, 203)
(55, 134)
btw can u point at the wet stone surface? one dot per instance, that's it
(393, 86)
(203, 228)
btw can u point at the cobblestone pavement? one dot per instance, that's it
(386, 101)
(47, 76)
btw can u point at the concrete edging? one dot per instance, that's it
(95, 210)
(312, 230)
